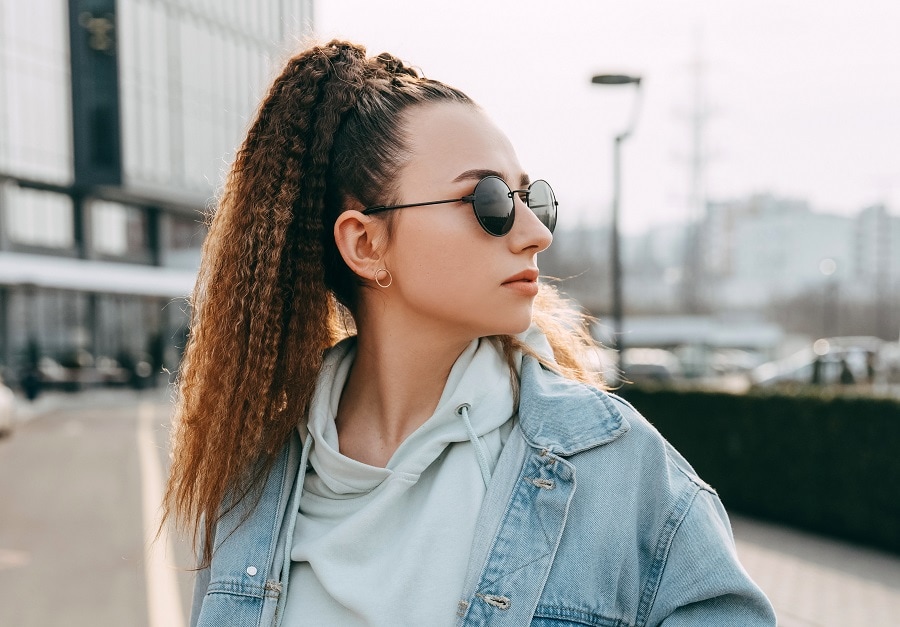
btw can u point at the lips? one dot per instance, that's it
(528, 276)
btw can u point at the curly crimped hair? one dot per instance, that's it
(273, 292)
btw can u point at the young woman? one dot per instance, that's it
(384, 417)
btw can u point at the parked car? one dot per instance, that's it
(651, 365)
(828, 361)
(7, 409)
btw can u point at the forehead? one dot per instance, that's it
(448, 139)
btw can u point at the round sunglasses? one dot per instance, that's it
(494, 204)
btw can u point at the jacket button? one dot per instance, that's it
(251, 570)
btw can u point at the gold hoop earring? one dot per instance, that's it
(379, 273)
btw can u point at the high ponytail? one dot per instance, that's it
(266, 303)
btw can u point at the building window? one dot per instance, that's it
(35, 105)
(38, 218)
(182, 241)
(119, 230)
(192, 76)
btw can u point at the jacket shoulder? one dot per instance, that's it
(567, 417)
(647, 438)
(636, 496)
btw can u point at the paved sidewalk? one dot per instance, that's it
(816, 581)
(52, 401)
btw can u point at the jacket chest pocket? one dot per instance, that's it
(228, 608)
(228, 603)
(556, 617)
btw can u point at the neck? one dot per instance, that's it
(394, 386)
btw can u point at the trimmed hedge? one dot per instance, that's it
(826, 464)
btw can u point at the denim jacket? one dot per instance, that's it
(591, 518)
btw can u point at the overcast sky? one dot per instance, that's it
(803, 95)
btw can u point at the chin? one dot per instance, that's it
(513, 327)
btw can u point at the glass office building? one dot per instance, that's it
(118, 119)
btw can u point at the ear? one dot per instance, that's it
(361, 241)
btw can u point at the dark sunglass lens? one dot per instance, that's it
(493, 205)
(543, 203)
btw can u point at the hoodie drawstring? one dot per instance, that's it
(480, 454)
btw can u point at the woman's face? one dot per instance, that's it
(447, 271)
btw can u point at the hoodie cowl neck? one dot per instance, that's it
(365, 536)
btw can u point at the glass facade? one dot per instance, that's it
(37, 218)
(119, 230)
(35, 128)
(182, 238)
(190, 74)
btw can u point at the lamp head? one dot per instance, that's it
(615, 79)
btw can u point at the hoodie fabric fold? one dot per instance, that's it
(373, 544)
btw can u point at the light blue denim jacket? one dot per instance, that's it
(591, 518)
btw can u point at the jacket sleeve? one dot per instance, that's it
(201, 582)
(703, 582)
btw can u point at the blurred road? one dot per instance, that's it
(815, 581)
(74, 478)
(81, 477)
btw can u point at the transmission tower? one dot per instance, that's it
(694, 270)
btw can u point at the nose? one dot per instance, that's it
(528, 232)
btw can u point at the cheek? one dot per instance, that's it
(442, 262)
(455, 280)
(437, 264)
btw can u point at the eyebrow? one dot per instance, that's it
(478, 174)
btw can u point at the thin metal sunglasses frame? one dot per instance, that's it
(468, 198)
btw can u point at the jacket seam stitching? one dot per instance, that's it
(661, 556)
(696, 480)
(490, 552)
(280, 510)
(254, 591)
(586, 618)
(565, 517)
(482, 581)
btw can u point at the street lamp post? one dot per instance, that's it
(828, 267)
(615, 251)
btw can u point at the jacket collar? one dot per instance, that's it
(564, 416)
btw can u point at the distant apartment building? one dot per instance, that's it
(876, 250)
(764, 248)
(877, 266)
(117, 121)
(754, 252)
